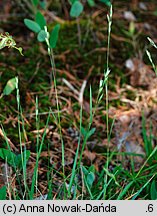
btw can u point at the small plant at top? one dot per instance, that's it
(39, 27)
(6, 40)
(77, 8)
(89, 176)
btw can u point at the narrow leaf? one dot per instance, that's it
(107, 2)
(91, 169)
(10, 86)
(41, 36)
(40, 19)
(125, 190)
(54, 36)
(83, 132)
(91, 3)
(85, 171)
(153, 190)
(3, 193)
(141, 189)
(35, 27)
(91, 132)
(76, 9)
(35, 2)
(43, 4)
(90, 179)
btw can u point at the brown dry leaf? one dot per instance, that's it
(90, 155)
(41, 131)
(141, 74)
(128, 132)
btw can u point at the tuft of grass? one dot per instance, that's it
(80, 181)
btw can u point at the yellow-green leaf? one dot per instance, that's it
(10, 86)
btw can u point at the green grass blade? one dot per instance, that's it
(125, 190)
(141, 189)
(31, 194)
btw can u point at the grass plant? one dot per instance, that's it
(82, 181)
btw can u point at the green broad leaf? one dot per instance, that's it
(40, 19)
(76, 9)
(43, 4)
(24, 157)
(107, 2)
(35, 2)
(42, 36)
(91, 169)
(153, 190)
(83, 132)
(85, 171)
(91, 3)
(8, 156)
(13, 159)
(89, 175)
(35, 27)
(91, 132)
(86, 133)
(10, 86)
(90, 179)
(3, 193)
(54, 36)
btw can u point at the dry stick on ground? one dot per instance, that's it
(80, 93)
(8, 140)
(44, 113)
(54, 17)
(67, 83)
